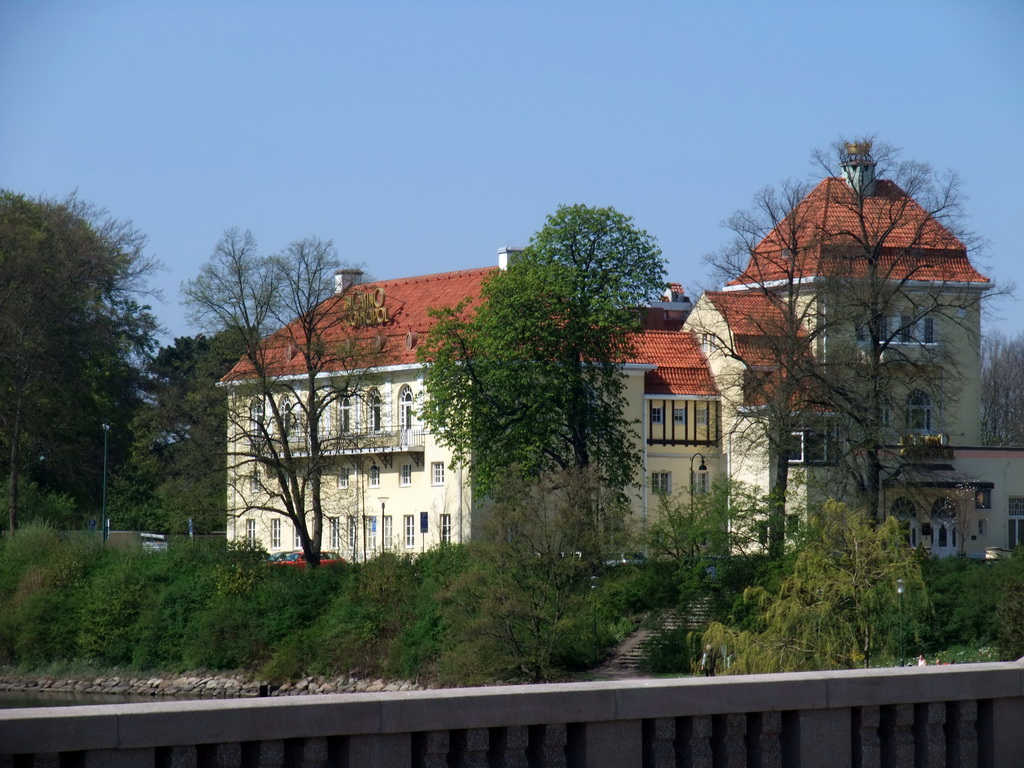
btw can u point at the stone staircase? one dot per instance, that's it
(627, 656)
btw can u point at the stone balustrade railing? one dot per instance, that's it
(963, 715)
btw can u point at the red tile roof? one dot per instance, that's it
(682, 368)
(753, 319)
(406, 300)
(681, 365)
(827, 228)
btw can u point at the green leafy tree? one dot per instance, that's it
(530, 376)
(73, 338)
(839, 606)
(177, 467)
(519, 612)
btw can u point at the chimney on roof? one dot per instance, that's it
(346, 278)
(507, 256)
(859, 168)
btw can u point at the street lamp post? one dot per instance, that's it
(899, 591)
(103, 509)
(702, 468)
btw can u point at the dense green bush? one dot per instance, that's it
(455, 614)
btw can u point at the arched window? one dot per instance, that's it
(405, 407)
(903, 509)
(374, 405)
(943, 510)
(919, 411)
(294, 423)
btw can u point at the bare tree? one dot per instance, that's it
(301, 364)
(1002, 390)
(876, 309)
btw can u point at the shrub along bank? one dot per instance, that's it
(454, 615)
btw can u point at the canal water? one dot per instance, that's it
(18, 700)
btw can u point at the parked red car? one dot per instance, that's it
(298, 559)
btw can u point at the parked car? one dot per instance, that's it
(626, 558)
(298, 559)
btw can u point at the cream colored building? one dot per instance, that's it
(388, 484)
(954, 497)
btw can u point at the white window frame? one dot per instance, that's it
(679, 414)
(250, 530)
(343, 478)
(405, 412)
(374, 476)
(352, 530)
(410, 531)
(657, 414)
(297, 537)
(919, 414)
(703, 414)
(335, 533)
(1015, 513)
(446, 528)
(405, 475)
(661, 482)
(275, 533)
(437, 473)
(699, 481)
(375, 411)
(387, 532)
(345, 415)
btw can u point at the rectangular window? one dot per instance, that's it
(250, 530)
(388, 533)
(702, 414)
(345, 415)
(1015, 507)
(679, 415)
(928, 330)
(254, 481)
(298, 538)
(410, 531)
(906, 334)
(661, 482)
(343, 478)
(796, 448)
(406, 476)
(446, 528)
(983, 498)
(981, 527)
(699, 481)
(275, 534)
(437, 473)
(372, 535)
(335, 524)
(655, 414)
(374, 476)
(352, 528)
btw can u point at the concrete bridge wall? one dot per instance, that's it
(964, 715)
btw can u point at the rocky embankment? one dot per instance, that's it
(197, 686)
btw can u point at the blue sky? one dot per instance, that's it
(421, 137)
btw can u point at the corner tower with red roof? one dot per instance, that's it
(848, 354)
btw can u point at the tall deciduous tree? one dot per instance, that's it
(880, 305)
(529, 379)
(298, 362)
(1002, 390)
(73, 339)
(176, 471)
